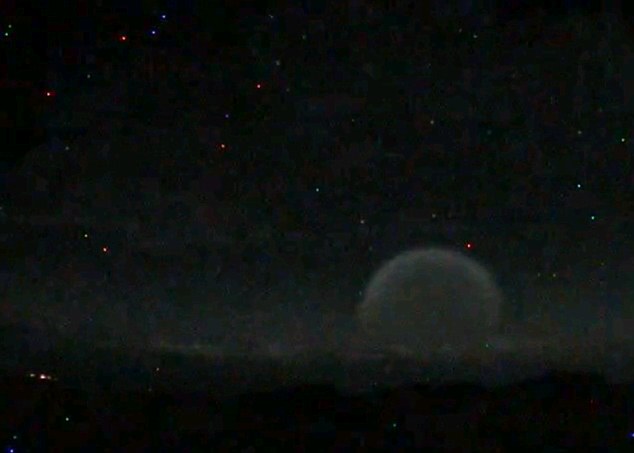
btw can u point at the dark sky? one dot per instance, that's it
(187, 161)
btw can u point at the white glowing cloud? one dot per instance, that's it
(429, 301)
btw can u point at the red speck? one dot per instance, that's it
(223, 146)
(258, 86)
(49, 94)
(468, 245)
(123, 38)
(104, 249)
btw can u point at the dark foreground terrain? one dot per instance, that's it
(125, 401)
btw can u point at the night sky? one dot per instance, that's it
(231, 175)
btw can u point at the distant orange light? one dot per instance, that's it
(49, 94)
(223, 146)
(104, 249)
(123, 38)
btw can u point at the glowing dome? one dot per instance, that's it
(429, 301)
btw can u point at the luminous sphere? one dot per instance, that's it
(429, 300)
